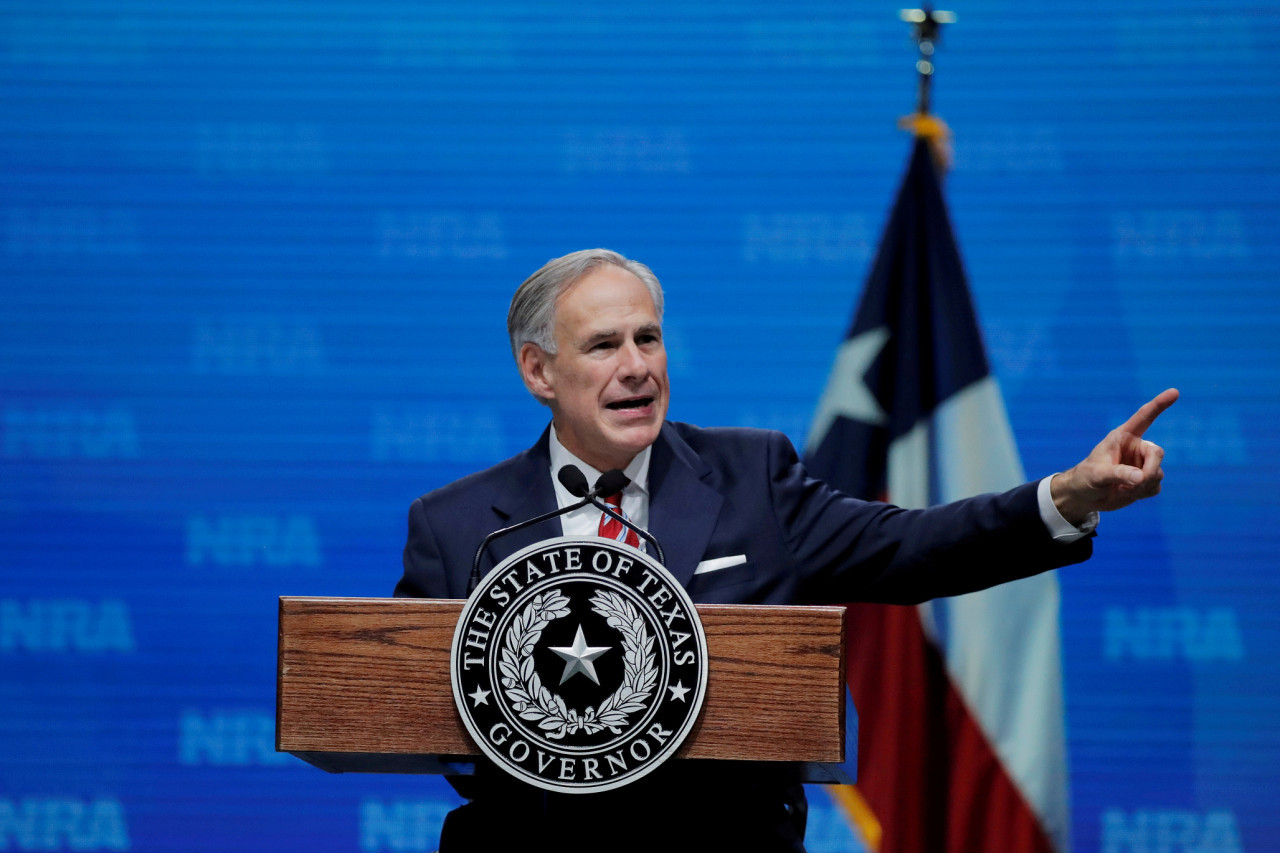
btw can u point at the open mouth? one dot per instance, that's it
(636, 403)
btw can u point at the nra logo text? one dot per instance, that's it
(253, 540)
(1173, 633)
(401, 824)
(1169, 831)
(258, 345)
(65, 625)
(806, 238)
(69, 432)
(229, 739)
(62, 823)
(427, 434)
(441, 234)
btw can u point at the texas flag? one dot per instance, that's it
(960, 700)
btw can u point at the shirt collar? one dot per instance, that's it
(637, 471)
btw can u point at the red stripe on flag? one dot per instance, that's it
(921, 753)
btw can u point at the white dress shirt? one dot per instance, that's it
(586, 521)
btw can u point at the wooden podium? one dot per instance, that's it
(363, 686)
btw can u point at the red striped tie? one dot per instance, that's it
(611, 528)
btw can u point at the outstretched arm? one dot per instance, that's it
(1122, 469)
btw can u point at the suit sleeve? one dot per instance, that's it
(851, 550)
(424, 572)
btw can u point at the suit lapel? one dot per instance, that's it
(528, 493)
(683, 508)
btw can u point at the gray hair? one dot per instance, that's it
(532, 316)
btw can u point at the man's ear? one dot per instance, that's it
(536, 369)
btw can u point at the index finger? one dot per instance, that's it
(1146, 416)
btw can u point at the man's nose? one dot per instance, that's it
(631, 362)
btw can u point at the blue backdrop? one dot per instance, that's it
(254, 264)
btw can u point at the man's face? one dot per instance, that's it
(607, 385)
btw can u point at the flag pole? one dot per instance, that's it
(926, 31)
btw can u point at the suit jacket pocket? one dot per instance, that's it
(711, 587)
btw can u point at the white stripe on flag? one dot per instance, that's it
(1003, 645)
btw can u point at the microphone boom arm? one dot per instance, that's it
(475, 564)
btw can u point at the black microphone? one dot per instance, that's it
(575, 482)
(572, 478)
(610, 482)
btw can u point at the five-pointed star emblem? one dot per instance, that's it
(678, 690)
(479, 697)
(847, 394)
(579, 658)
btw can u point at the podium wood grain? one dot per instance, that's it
(370, 677)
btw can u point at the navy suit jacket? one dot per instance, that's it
(714, 493)
(728, 492)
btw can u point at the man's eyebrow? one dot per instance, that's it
(598, 336)
(608, 334)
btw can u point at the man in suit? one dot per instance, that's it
(740, 521)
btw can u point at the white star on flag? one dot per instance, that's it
(846, 394)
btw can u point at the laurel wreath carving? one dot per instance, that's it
(535, 703)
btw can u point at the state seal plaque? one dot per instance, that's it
(579, 664)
